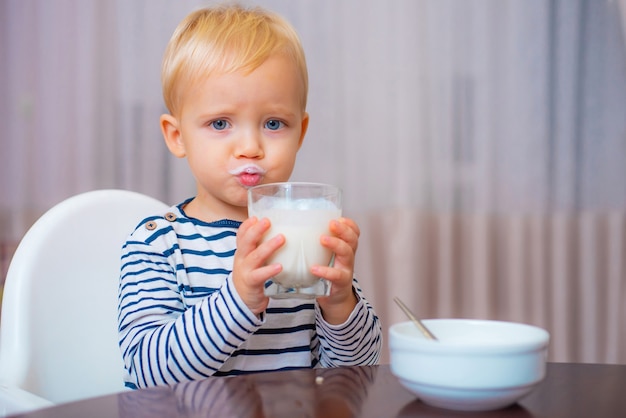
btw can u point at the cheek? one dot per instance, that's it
(204, 163)
(286, 163)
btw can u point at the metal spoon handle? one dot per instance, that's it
(416, 321)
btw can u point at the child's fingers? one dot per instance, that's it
(329, 273)
(250, 233)
(353, 225)
(337, 245)
(264, 251)
(346, 230)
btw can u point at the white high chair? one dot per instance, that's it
(58, 330)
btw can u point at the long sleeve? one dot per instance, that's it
(164, 341)
(356, 342)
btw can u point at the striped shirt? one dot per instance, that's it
(180, 317)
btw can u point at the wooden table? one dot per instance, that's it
(569, 390)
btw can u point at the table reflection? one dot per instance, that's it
(569, 391)
(419, 409)
(328, 393)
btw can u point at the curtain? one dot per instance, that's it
(481, 144)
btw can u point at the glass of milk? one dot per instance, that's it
(302, 213)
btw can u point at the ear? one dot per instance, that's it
(305, 126)
(172, 135)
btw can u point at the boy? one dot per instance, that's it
(191, 301)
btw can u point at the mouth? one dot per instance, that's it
(248, 175)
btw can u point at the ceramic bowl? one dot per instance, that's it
(476, 365)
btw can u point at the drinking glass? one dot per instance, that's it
(302, 213)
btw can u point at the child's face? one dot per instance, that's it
(238, 130)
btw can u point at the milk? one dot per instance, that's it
(302, 213)
(302, 229)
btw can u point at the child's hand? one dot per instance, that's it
(343, 241)
(249, 270)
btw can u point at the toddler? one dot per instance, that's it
(191, 300)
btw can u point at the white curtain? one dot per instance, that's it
(481, 143)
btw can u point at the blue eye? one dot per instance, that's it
(274, 124)
(219, 125)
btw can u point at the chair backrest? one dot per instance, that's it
(58, 332)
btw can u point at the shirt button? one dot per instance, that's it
(170, 216)
(151, 225)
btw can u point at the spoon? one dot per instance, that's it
(429, 335)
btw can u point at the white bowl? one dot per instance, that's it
(476, 365)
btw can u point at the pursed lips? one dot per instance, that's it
(248, 175)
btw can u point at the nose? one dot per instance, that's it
(249, 145)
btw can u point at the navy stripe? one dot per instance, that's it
(207, 271)
(236, 372)
(158, 360)
(136, 262)
(173, 357)
(206, 253)
(234, 303)
(192, 349)
(207, 353)
(210, 338)
(290, 309)
(215, 237)
(158, 233)
(287, 330)
(272, 351)
(201, 289)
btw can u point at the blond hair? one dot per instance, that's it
(225, 39)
